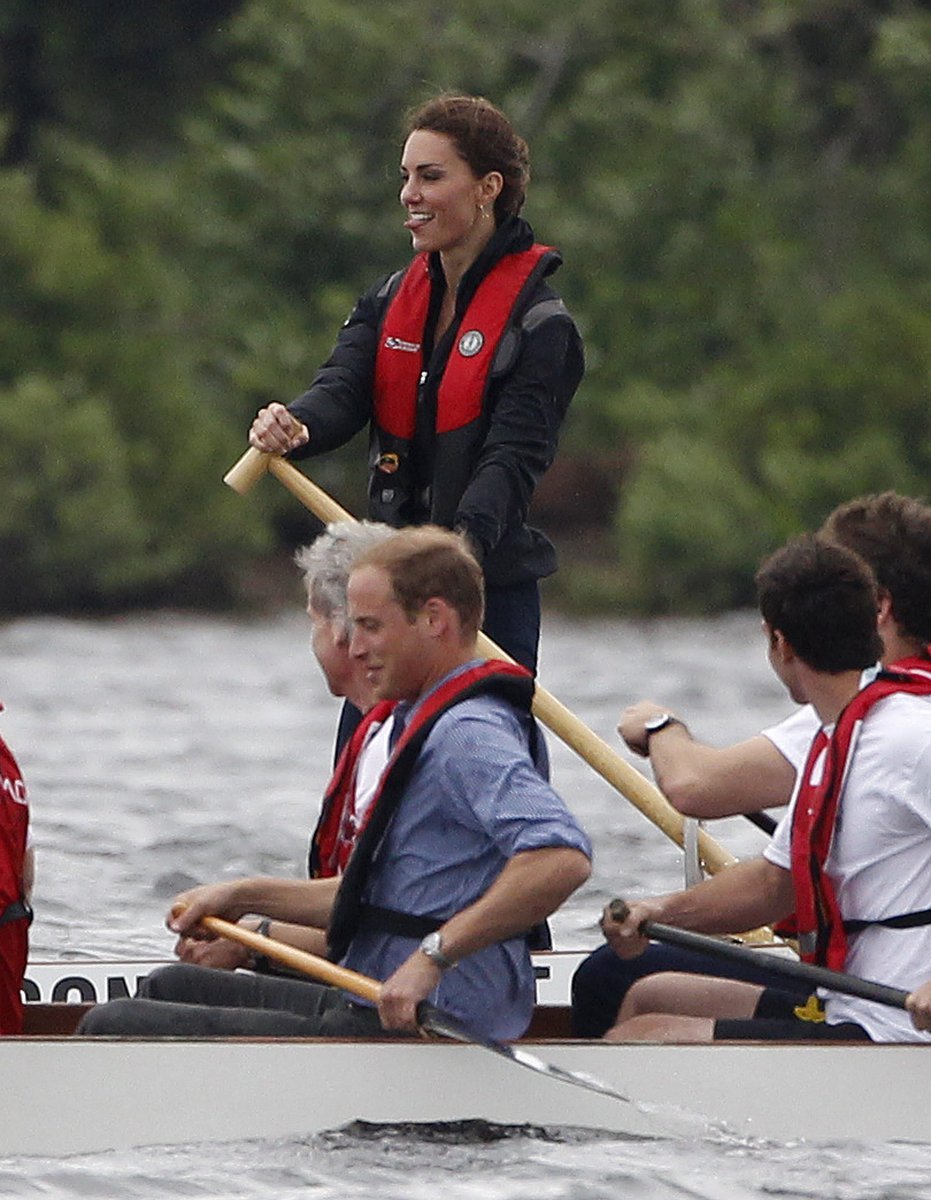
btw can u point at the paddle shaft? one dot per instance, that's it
(836, 981)
(596, 752)
(762, 820)
(298, 960)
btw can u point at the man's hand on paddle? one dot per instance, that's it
(220, 954)
(918, 1005)
(208, 900)
(622, 932)
(412, 982)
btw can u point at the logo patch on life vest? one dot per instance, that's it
(388, 463)
(470, 343)
(396, 343)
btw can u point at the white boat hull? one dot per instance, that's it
(73, 1095)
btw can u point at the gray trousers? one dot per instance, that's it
(182, 1000)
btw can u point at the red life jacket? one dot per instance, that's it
(821, 929)
(399, 361)
(492, 677)
(331, 842)
(460, 419)
(14, 914)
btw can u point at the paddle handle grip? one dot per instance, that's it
(245, 473)
(305, 963)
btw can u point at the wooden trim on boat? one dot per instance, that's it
(52, 1020)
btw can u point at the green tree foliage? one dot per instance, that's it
(192, 196)
(112, 72)
(111, 441)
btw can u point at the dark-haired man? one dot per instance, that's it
(852, 857)
(892, 533)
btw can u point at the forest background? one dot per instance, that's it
(194, 192)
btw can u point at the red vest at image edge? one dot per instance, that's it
(14, 935)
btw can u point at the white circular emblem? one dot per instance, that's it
(470, 343)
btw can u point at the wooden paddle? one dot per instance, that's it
(431, 1018)
(837, 981)
(574, 732)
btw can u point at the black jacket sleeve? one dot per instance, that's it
(338, 402)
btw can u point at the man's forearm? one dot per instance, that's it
(305, 937)
(744, 896)
(299, 901)
(701, 780)
(531, 886)
(712, 781)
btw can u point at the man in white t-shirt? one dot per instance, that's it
(865, 819)
(892, 533)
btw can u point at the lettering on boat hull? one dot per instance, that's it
(90, 982)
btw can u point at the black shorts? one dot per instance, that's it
(777, 1019)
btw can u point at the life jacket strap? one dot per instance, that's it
(375, 919)
(910, 920)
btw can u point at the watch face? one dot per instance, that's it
(656, 723)
(432, 946)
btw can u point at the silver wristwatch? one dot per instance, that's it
(432, 947)
(660, 721)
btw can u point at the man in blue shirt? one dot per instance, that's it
(465, 847)
(480, 842)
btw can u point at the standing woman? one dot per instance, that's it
(463, 364)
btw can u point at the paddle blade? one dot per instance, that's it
(434, 1020)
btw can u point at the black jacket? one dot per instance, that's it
(536, 371)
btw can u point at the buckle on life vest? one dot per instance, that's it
(807, 942)
(387, 463)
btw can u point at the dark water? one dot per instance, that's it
(164, 750)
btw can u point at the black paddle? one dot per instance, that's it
(837, 981)
(762, 820)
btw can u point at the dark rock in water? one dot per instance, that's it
(458, 1133)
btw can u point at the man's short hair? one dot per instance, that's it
(893, 534)
(427, 562)
(326, 564)
(822, 597)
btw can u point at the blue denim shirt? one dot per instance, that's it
(473, 801)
